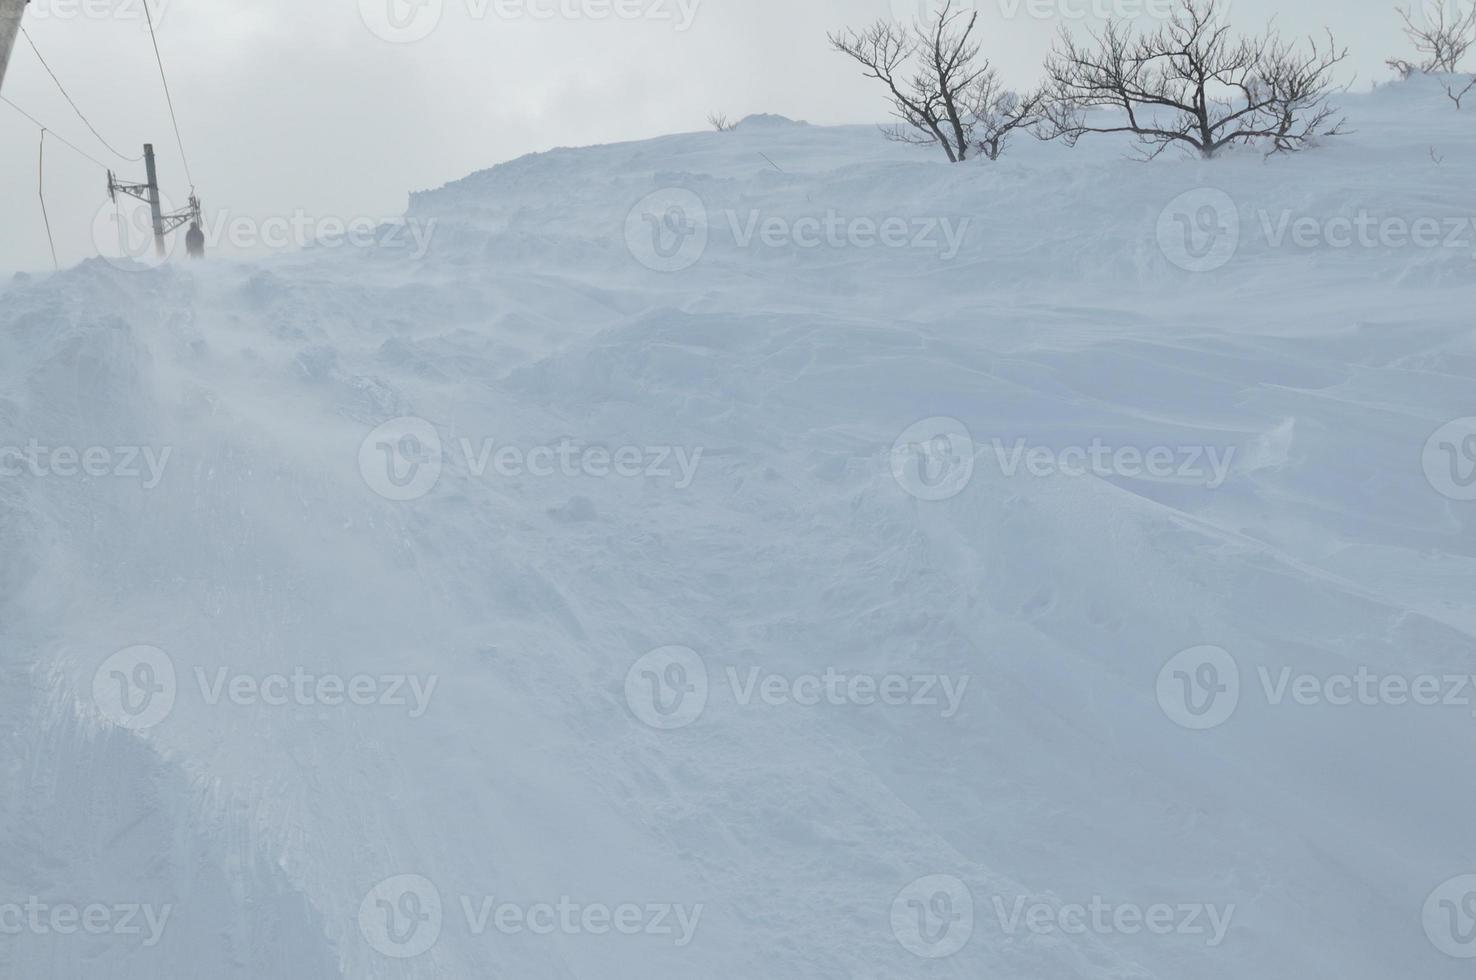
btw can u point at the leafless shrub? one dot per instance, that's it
(998, 113)
(1194, 84)
(940, 90)
(1441, 34)
(719, 121)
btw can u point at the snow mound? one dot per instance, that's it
(812, 416)
(767, 120)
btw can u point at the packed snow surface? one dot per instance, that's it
(876, 658)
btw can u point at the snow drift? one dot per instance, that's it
(771, 553)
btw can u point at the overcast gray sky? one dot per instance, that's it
(339, 108)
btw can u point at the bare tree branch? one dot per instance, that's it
(999, 113)
(1443, 36)
(940, 90)
(1195, 85)
(1456, 97)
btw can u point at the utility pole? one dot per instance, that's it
(163, 223)
(10, 22)
(155, 208)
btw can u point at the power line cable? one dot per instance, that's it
(41, 193)
(167, 97)
(70, 101)
(68, 143)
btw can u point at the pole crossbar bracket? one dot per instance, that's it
(148, 193)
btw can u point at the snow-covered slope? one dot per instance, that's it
(519, 624)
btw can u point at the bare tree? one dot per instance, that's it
(998, 113)
(1442, 36)
(941, 91)
(1194, 84)
(719, 121)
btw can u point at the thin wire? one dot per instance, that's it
(167, 97)
(41, 193)
(70, 101)
(40, 125)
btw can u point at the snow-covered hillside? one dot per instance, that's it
(762, 554)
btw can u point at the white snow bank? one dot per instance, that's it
(1044, 303)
